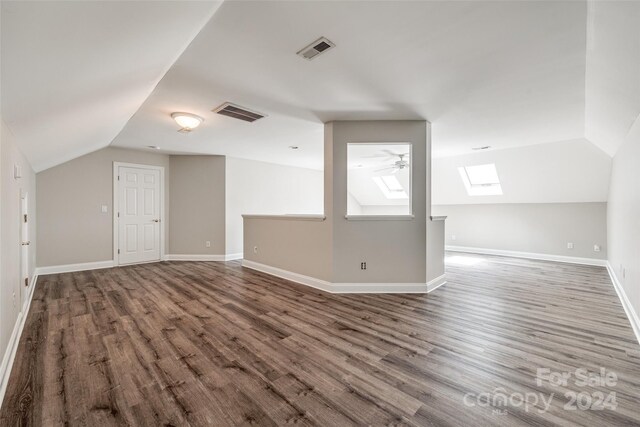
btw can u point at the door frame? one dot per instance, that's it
(116, 230)
(25, 252)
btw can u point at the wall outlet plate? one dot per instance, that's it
(596, 248)
(569, 245)
(207, 244)
(255, 249)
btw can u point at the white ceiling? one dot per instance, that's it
(569, 171)
(498, 73)
(73, 73)
(505, 74)
(613, 72)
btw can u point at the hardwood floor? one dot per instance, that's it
(204, 343)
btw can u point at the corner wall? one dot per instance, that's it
(71, 227)
(197, 205)
(13, 294)
(623, 217)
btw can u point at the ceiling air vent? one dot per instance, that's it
(237, 112)
(316, 48)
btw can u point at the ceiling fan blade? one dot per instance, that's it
(391, 153)
(374, 156)
(385, 169)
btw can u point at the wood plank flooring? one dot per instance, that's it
(204, 343)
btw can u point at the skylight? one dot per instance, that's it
(390, 187)
(481, 180)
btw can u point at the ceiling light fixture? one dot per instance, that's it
(484, 147)
(187, 121)
(294, 147)
(153, 147)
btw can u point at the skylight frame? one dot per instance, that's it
(491, 186)
(390, 193)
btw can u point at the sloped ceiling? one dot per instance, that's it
(482, 72)
(567, 171)
(73, 73)
(613, 72)
(505, 74)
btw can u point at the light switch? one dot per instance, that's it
(105, 209)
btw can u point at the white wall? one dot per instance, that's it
(623, 219)
(13, 293)
(559, 172)
(541, 228)
(265, 188)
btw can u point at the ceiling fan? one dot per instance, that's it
(398, 165)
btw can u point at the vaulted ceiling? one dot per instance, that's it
(78, 76)
(73, 73)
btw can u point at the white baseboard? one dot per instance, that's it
(379, 288)
(14, 340)
(67, 268)
(529, 255)
(346, 288)
(434, 284)
(200, 257)
(626, 304)
(323, 285)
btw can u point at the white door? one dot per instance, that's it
(138, 215)
(24, 234)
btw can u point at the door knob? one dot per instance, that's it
(155, 220)
(26, 243)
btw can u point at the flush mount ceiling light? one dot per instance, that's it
(294, 147)
(153, 147)
(187, 121)
(484, 147)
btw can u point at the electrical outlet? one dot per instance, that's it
(14, 299)
(104, 208)
(569, 245)
(596, 248)
(624, 273)
(363, 266)
(207, 244)
(255, 249)
(453, 237)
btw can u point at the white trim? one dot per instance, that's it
(201, 257)
(626, 304)
(379, 288)
(379, 217)
(67, 268)
(232, 257)
(292, 217)
(115, 230)
(434, 284)
(14, 340)
(530, 255)
(346, 288)
(323, 285)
